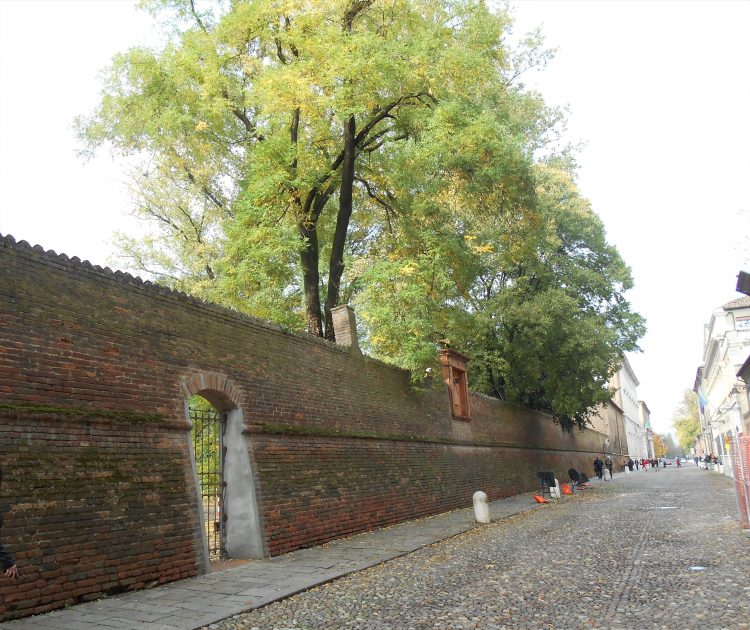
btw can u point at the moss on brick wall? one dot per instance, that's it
(95, 368)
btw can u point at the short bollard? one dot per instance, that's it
(627, 470)
(481, 507)
(607, 475)
(555, 490)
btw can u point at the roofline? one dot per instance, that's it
(727, 306)
(626, 364)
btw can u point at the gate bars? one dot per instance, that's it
(209, 427)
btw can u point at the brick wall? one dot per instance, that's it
(95, 367)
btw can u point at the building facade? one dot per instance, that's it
(626, 397)
(621, 418)
(644, 419)
(725, 349)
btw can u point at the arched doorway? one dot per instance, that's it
(207, 436)
(224, 479)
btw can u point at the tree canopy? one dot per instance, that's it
(296, 155)
(686, 421)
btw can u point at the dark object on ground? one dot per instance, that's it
(578, 478)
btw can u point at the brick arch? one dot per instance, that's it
(216, 388)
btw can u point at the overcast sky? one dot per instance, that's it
(658, 91)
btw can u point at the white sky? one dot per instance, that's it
(659, 91)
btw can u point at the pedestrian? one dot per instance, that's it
(678, 462)
(609, 465)
(598, 467)
(637, 463)
(630, 464)
(9, 568)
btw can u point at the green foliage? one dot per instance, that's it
(205, 436)
(295, 155)
(534, 295)
(686, 421)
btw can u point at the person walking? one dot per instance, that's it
(9, 568)
(630, 464)
(637, 464)
(609, 466)
(599, 467)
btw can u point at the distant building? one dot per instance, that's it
(744, 374)
(725, 350)
(610, 421)
(644, 419)
(626, 398)
(620, 420)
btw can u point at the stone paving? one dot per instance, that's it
(649, 550)
(195, 602)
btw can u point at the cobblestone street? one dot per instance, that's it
(651, 550)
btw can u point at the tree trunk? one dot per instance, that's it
(336, 263)
(307, 226)
(311, 278)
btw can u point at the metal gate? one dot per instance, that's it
(208, 431)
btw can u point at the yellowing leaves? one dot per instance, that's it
(202, 125)
(483, 249)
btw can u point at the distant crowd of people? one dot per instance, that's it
(645, 464)
(633, 464)
(707, 460)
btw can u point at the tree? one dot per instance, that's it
(686, 421)
(660, 450)
(299, 154)
(533, 293)
(673, 450)
(278, 123)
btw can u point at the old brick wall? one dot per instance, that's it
(95, 367)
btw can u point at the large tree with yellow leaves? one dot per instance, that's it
(299, 154)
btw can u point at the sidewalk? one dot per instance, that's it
(196, 602)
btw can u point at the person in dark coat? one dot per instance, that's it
(7, 561)
(631, 463)
(598, 467)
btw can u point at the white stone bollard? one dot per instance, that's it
(627, 470)
(555, 490)
(481, 507)
(607, 475)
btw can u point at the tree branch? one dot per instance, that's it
(197, 17)
(250, 126)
